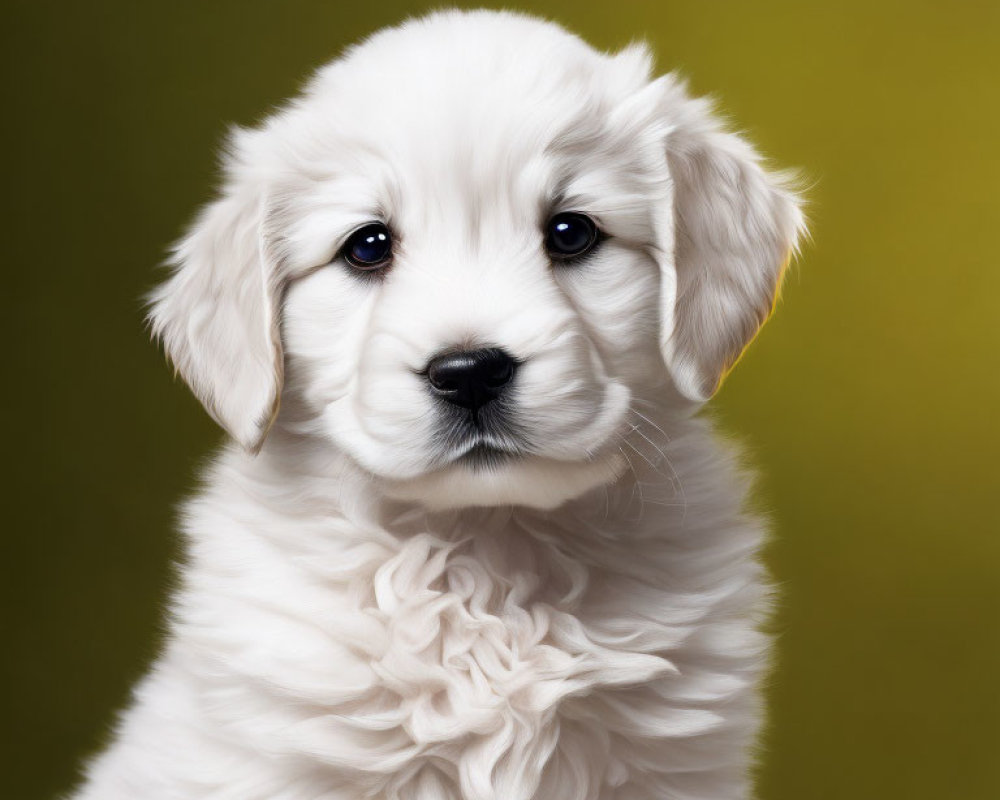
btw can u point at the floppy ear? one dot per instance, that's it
(735, 228)
(217, 314)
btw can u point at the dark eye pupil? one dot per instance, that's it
(570, 234)
(369, 247)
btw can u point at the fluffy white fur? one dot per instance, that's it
(359, 614)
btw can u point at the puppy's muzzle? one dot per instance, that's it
(471, 378)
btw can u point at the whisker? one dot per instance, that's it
(648, 421)
(673, 477)
(636, 486)
(643, 455)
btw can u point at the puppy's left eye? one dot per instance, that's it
(569, 235)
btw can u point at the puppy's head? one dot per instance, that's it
(464, 253)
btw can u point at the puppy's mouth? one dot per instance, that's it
(486, 456)
(481, 441)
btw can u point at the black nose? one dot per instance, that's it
(471, 379)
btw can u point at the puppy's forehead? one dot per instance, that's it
(474, 65)
(460, 99)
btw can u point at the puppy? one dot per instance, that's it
(456, 306)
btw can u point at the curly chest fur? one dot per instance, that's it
(486, 654)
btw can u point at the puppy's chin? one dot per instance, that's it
(533, 481)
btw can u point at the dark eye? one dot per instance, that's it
(570, 234)
(369, 248)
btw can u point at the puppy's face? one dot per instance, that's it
(458, 259)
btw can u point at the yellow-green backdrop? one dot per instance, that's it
(870, 403)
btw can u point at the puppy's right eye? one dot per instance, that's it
(369, 248)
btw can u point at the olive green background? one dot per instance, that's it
(869, 403)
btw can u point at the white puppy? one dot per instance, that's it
(457, 305)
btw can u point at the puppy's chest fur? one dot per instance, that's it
(487, 654)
